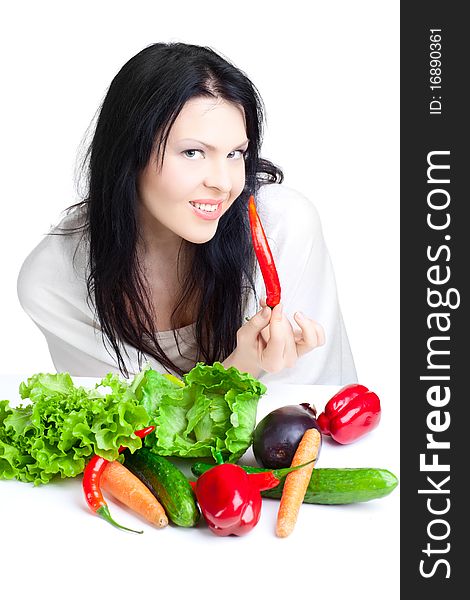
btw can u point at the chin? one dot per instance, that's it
(201, 239)
(199, 235)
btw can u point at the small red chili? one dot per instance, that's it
(350, 414)
(91, 484)
(264, 256)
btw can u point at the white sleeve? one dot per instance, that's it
(308, 284)
(52, 290)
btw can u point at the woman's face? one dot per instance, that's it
(202, 174)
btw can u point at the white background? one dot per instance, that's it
(328, 73)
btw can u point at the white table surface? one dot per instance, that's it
(52, 544)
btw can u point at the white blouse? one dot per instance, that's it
(52, 290)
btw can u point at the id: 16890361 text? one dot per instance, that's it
(435, 71)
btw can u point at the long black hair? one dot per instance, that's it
(135, 117)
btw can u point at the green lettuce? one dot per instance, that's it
(215, 411)
(63, 425)
(60, 426)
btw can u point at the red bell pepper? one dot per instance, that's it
(350, 414)
(230, 498)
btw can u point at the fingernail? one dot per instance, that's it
(265, 312)
(300, 315)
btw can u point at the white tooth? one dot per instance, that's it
(205, 207)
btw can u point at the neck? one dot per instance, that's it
(156, 240)
(162, 252)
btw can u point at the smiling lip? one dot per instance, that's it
(204, 214)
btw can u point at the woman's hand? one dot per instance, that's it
(268, 342)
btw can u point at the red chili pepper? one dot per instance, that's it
(350, 414)
(230, 498)
(91, 484)
(264, 256)
(139, 433)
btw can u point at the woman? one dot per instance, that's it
(156, 263)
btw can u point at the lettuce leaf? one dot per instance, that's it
(63, 425)
(214, 411)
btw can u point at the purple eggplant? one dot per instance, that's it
(276, 437)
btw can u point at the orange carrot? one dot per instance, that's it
(297, 482)
(128, 489)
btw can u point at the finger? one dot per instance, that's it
(309, 338)
(261, 346)
(252, 328)
(312, 333)
(273, 354)
(263, 302)
(265, 334)
(290, 348)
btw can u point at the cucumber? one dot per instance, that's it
(167, 483)
(332, 486)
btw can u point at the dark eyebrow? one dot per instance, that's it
(208, 145)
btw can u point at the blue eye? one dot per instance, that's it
(185, 152)
(242, 153)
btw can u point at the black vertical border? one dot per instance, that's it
(421, 133)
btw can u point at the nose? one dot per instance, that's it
(218, 176)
